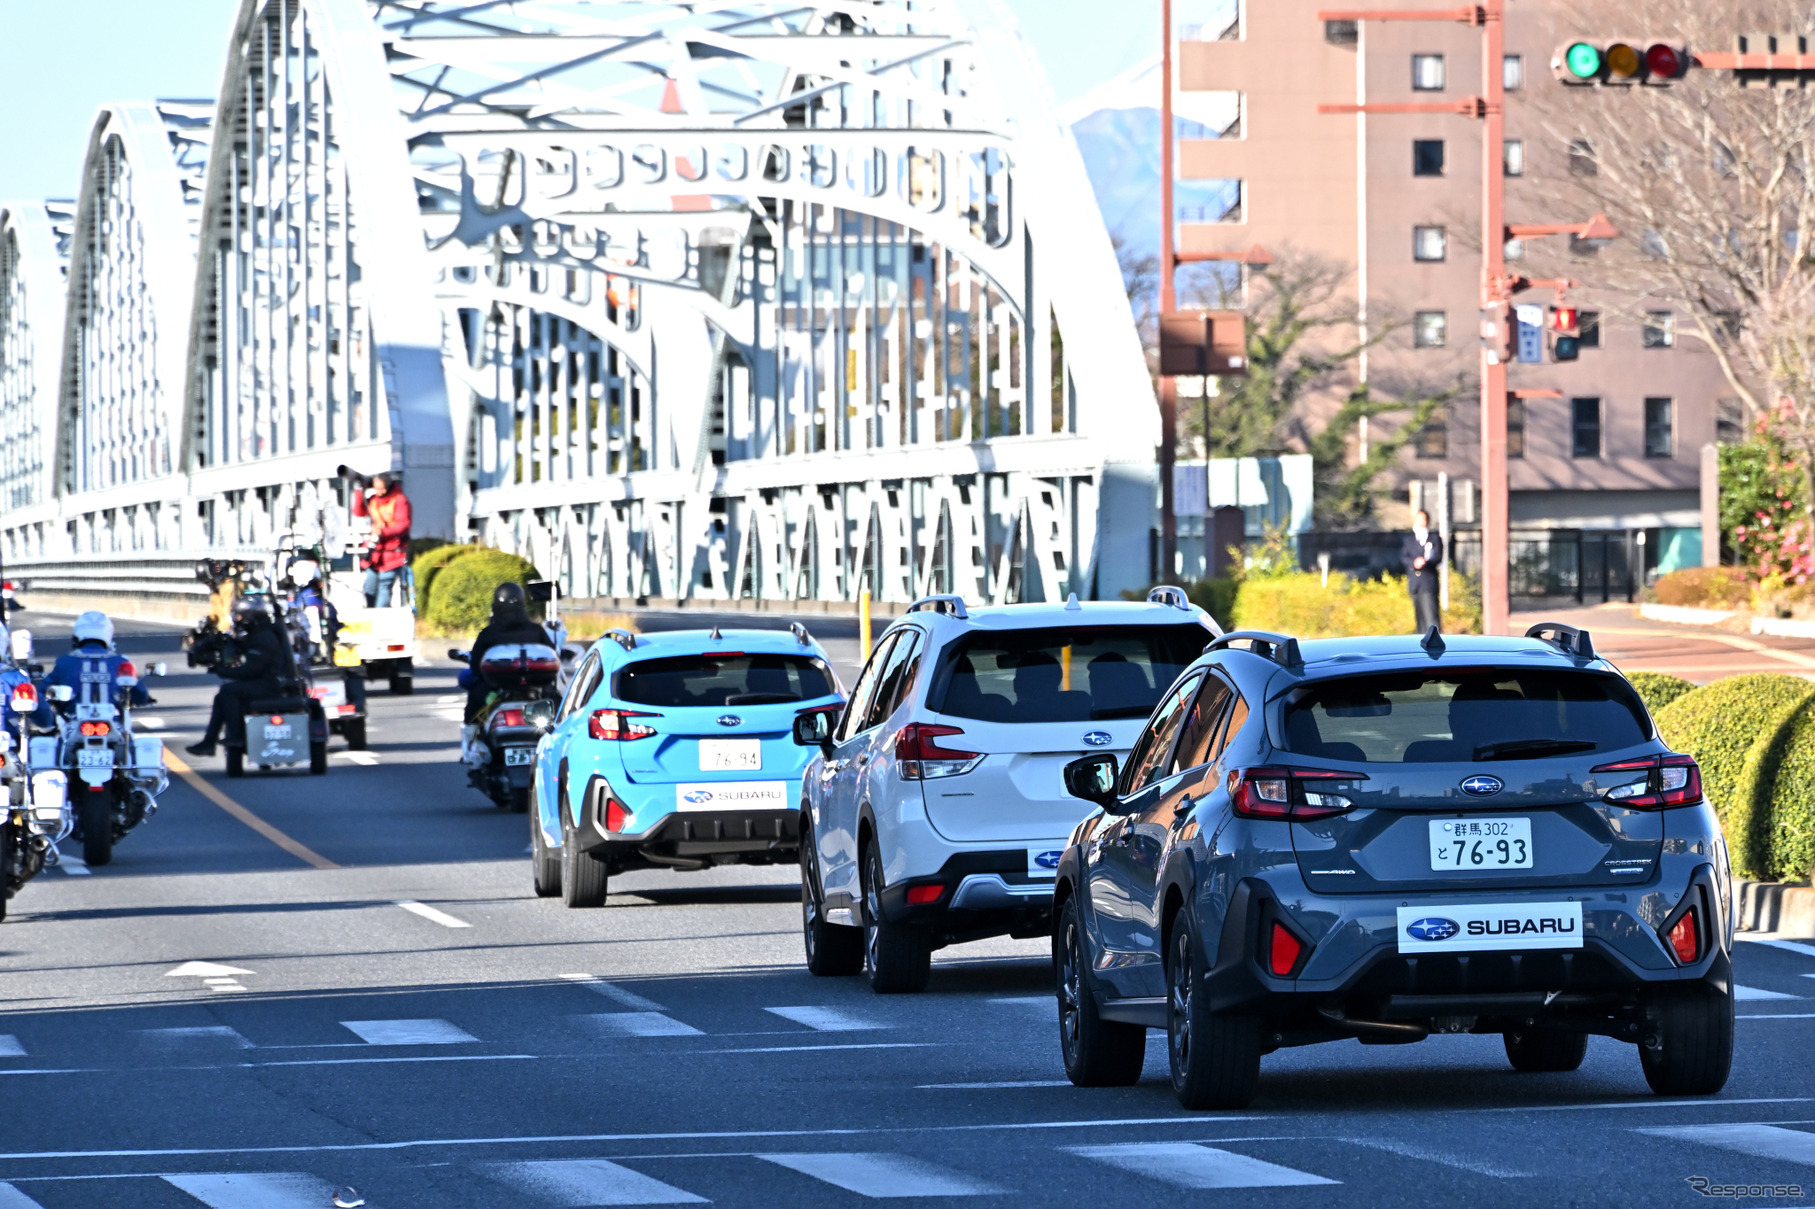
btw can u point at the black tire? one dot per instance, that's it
(1097, 1052)
(97, 826)
(898, 958)
(355, 731)
(833, 950)
(1537, 1050)
(1689, 1051)
(318, 758)
(236, 762)
(1215, 1056)
(584, 881)
(402, 684)
(544, 866)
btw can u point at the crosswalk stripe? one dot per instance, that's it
(824, 1019)
(1761, 1141)
(1191, 1165)
(12, 1198)
(578, 1182)
(254, 1189)
(614, 992)
(73, 866)
(880, 1176)
(642, 1024)
(10, 1048)
(1742, 993)
(408, 1032)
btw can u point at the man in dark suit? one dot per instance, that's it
(1422, 554)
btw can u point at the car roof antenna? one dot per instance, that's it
(715, 635)
(1432, 642)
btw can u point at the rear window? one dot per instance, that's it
(722, 679)
(1463, 716)
(1063, 674)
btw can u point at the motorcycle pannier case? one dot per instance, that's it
(520, 665)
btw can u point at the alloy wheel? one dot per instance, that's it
(1178, 1000)
(1071, 988)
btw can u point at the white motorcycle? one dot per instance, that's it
(115, 775)
(34, 801)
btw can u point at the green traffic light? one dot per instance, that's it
(1583, 61)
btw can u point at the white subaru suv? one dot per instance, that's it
(936, 812)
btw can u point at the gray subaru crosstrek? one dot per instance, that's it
(1386, 838)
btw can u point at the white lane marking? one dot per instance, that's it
(793, 1049)
(1789, 945)
(450, 698)
(880, 1176)
(204, 969)
(360, 757)
(1191, 1165)
(255, 1189)
(1744, 993)
(1644, 1103)
(578, 1182)
(992, 1086)
(824, 1019)
(1410, 1151)
(220, 1035)
(382, 1061)
(12, 1198)
(1762, 1141)
(408, 1032)
(10, 1048)
(617, 994)
(73, 866)
(434, 916)
(642, 1024)
(1041, 1001)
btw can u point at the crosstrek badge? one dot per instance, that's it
(731, 795)
(1489, 927)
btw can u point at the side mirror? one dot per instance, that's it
(61, 693)
(1093, 778)
(539, 714)
(22, 646)
(458, 655)
(160, 668)
(813, 729)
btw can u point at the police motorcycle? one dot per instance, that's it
(113, 773)
(526, 681)
(34, 802)
(317, 636)
(283, 730)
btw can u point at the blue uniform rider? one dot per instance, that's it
(90, 668)
(11, 676)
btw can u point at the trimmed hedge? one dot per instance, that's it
(429, 564)
(1719, 723)
(1768, 828)
(1299, 604)
(1657, 689)
(462, 598)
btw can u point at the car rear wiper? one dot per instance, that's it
(1527, 749)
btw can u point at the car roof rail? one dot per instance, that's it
(1277, 647)
(1565, 638)
(623, 638)
(942, 604)
(1166, 594)
(800, 633)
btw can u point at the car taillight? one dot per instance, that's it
(1685, 938)
(921, 895)
(1670, 780)
(1299, 794)
(1283, 949)
(920, 757)
(615, 815)
(615, 725)
(96, 729)
(25, 698)
(508, 717)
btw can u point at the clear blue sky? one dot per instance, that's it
(61, 59)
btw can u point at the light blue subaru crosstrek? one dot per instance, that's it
(675, 750)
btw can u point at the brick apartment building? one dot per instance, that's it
(1397, 199)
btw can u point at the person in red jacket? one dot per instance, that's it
(389, 509)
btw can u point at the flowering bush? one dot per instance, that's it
(1763, 509)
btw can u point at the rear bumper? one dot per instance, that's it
(980, 894)
(689, 838)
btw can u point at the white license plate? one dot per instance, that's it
(94, 757)
(731, 795)
(514, 756)
(278, 732)
(1464, 844)
(731, 755)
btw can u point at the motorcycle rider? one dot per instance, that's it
(510, 622)
(90, 668)
(389, 509)
(259, 672)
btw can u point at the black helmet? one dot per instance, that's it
(509, 596)
(251, 610)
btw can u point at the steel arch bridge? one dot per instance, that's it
(725, 299)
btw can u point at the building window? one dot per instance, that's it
(1660, 329)
(1660, 439)
(1427, 157)
(1515, 428)
(1341, 33)
(1430, 329)
(1514, 156)
(1512, 72)
(1429, 243)
(1588, 329)
(1581, 158)
(1585, 428)
(1729, 420)
(1433, 438)
(1427, 73)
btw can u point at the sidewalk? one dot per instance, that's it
(1696, 653)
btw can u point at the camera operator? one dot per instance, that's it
(259, 672)
(389, 510)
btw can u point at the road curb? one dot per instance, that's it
(1787, 908)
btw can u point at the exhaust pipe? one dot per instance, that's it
(1384, 1030)
(144, 803)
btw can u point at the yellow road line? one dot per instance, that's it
(299, 850)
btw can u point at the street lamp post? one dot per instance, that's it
(1168, 392)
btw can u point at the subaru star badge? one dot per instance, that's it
(1481, 785)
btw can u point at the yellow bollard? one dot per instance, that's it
(863, 622)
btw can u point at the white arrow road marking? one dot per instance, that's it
(204, 969)
(429, 913)
(588, 1182)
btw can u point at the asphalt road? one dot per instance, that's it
(400, 1015)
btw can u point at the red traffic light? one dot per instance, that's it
(1663, 61)
(1563, 318)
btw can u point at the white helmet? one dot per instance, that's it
(304, 571)
(94, 626)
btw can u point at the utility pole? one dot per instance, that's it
(1168, 303)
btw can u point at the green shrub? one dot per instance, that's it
(1705, 588)
(1301, 605)
(1790, 839)
(1718, 724)
(462, 599)
(429, 564)
(1768, 828)
(1656, 689)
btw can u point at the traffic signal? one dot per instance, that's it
(1566, 342)
(1620, 62)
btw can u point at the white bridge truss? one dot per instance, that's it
(681, 300)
